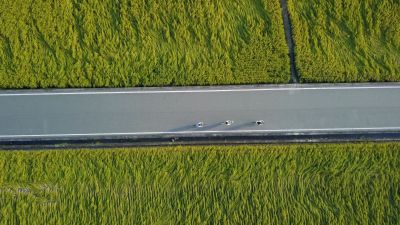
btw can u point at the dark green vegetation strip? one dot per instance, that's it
(293, 184)
(141, 43)
(346, 40)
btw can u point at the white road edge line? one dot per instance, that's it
(197, 91)
(206, 132)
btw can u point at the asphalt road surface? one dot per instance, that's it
(294, 109)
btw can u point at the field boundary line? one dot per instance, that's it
(195, 90)
(287, 26)
(289, 131)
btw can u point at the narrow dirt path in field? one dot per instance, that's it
(289, 40)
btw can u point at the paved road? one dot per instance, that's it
(174, 111)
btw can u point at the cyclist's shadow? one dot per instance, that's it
(184, 128)
(193, 127)
(239, 126)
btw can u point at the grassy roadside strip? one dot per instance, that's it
(346, 40)
(129, 43)
(266, 184)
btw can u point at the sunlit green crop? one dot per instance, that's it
(126, 43)
(288, 184)
(347, 40)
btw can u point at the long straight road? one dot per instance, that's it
(88, 113)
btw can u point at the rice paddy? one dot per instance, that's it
(58, 44)
(346, 40)
(269, 184)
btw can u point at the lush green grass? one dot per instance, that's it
(141, 43)
(347, 40)
(295, 184)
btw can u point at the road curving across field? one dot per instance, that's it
(71, 114)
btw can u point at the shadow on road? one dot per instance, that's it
(212, 126)
(240, 126)
(194, 128)
(191, 127)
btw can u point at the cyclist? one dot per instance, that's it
(228, 122)
(260, 122)
(200, 124)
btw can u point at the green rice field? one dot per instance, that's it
(127, 43)
(266, 184)
(46, 44)
(346, 40)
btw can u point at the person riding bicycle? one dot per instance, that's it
(200, 124)
(228, 122)
(260, 122)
